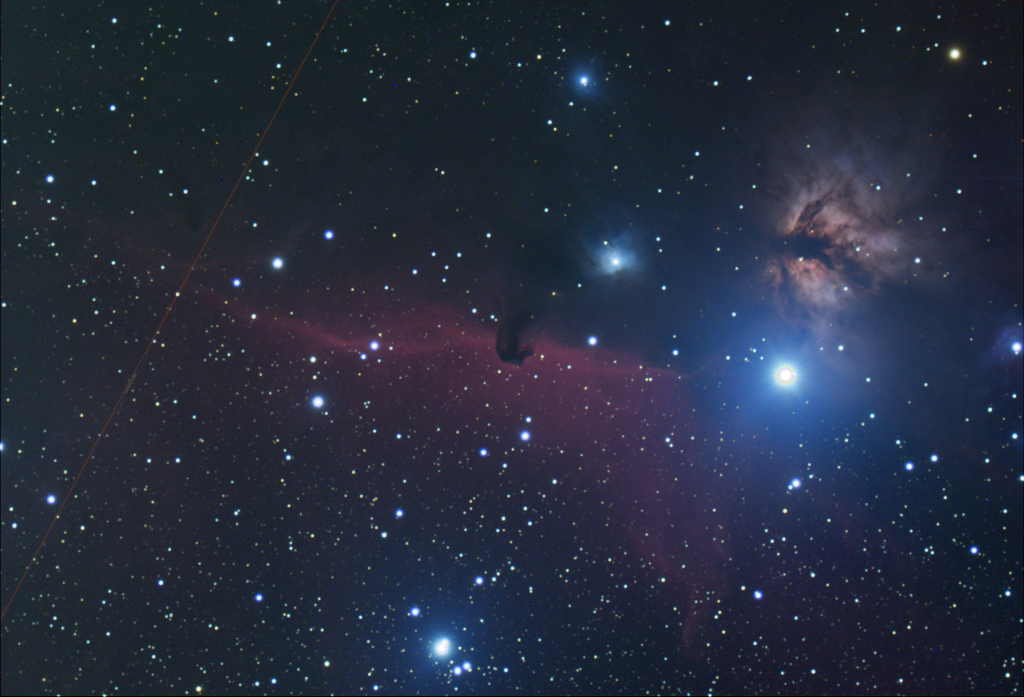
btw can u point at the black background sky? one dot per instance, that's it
(661, 203)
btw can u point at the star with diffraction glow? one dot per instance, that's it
(785, 375)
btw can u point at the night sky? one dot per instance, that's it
(611, 348)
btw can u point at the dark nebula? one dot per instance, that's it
(513, 321)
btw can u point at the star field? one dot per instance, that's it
(544, 348)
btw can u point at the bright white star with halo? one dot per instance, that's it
(785, 375)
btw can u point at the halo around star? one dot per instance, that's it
(616, 256)
(786, 375)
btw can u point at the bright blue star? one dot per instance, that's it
(615, 257)
(785, 375)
